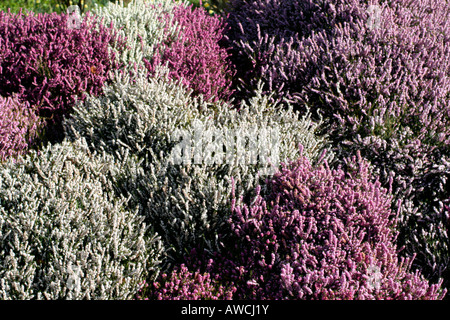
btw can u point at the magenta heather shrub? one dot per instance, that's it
(382, 86)
(195, 55)
(318, 233)
(266, 40)
(50, 65)
(182, 284)
(18, 127)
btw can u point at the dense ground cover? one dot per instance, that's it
(48, 65)
(310, 233)
(378, 73)
(280, 150)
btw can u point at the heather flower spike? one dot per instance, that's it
(195, 56)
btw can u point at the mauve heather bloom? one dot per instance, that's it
(51, 65)
(313, 232)
(18, 127)
(182, 284)
(378, 73)
(194, 56)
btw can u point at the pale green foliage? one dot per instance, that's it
(137, 122)
(65, 234)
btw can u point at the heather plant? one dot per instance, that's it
(50, 65)
(19, 126)
(378, 73)
(265, 38)
(144, 122)
(195, 56)
(140, 23)
(65, 233)
(183, 284)
(175, 34)
(312, 232)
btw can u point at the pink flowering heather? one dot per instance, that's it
(382, 84)
(51, 65)
(318, 233)
(183, 284)
(195, 55)
(18, 127)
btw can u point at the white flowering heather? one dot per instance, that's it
(65, 235)
(176, 34)
(187, 198)
(141, 23)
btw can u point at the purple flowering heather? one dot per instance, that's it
(382, 84)
(266, 40)
(195, 55)
(18, 127)
(317, 233)
(183, 284)
(49, 64)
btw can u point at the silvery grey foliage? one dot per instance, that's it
(137, 121)
(65, 234)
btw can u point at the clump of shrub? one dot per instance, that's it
(268, 41)
(175, 34)
(183, 284)
(195, 57)
(142, 26)
(18, 127)
(50, 65)
(312, 232)
(379, 76)
(153, 123)
(65, 233)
